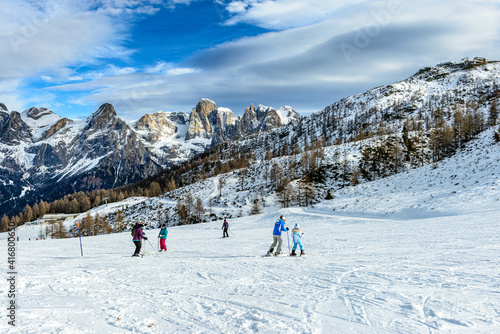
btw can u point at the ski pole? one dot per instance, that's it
(289, 251)
(232, 232)
(152, 245)
(80, 235)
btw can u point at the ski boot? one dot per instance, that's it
(302, 252)
(293, 253)
(270, 252)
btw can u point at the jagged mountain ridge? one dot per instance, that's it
(45, 156)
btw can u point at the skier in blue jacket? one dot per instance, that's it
(279, 227)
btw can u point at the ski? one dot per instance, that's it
(272, 255)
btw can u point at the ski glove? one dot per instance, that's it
(287, 228)
(145, 238)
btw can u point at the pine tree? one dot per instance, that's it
(328, 195)
(181, 211)
(200, 210)
(493, 113)
(105, 227)
(97, 225)
(59, 230)
(154, 189)
(256, 207)
(190, 205)
(119, 221)
(28, 213)
(4, 224)
(221, 185)
(85, 204)
(87, 225)
(36, 211)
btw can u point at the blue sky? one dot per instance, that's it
(148, 55)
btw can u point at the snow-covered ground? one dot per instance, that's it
(417, 252)
(361, 275)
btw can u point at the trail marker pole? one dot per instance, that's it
(80, 236)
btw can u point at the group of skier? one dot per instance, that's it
(297, 236)
(138, 236)
(279, 227)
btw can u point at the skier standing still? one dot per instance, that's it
(225, 226)
(279, 227)
(137, 239)
(163, 238)
(297, 236)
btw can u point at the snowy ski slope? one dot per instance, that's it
(417, 252)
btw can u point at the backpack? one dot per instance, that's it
(133, 231)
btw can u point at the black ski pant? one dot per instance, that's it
(138, 245)
(225, 234)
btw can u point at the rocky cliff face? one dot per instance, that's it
(14, 130)
(220, 124)
(201, 120)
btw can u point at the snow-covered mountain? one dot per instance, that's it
(45, 156)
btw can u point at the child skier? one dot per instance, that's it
(138, 235)
(279, 227)
(225, 226)
(297, 236)
(163, 238)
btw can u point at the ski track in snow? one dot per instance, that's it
(360, 275)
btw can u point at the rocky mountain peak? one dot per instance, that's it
(160, 124)
(3, 107)
(13, 129)
(205, 106)
(104, 117)
(288, 114)
(37, 113)
(200, 124)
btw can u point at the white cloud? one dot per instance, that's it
(283, 14)
(306, 67)
(321, 52)
(46, 39)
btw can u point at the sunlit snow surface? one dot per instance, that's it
(361, 275)
(417, 252)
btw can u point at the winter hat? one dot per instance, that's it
(283, 217)
(297, 225)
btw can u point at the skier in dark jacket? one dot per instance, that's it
(225, 226)
(137, 238)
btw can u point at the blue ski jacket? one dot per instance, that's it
(279, 227)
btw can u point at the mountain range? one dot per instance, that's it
(44, 156)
